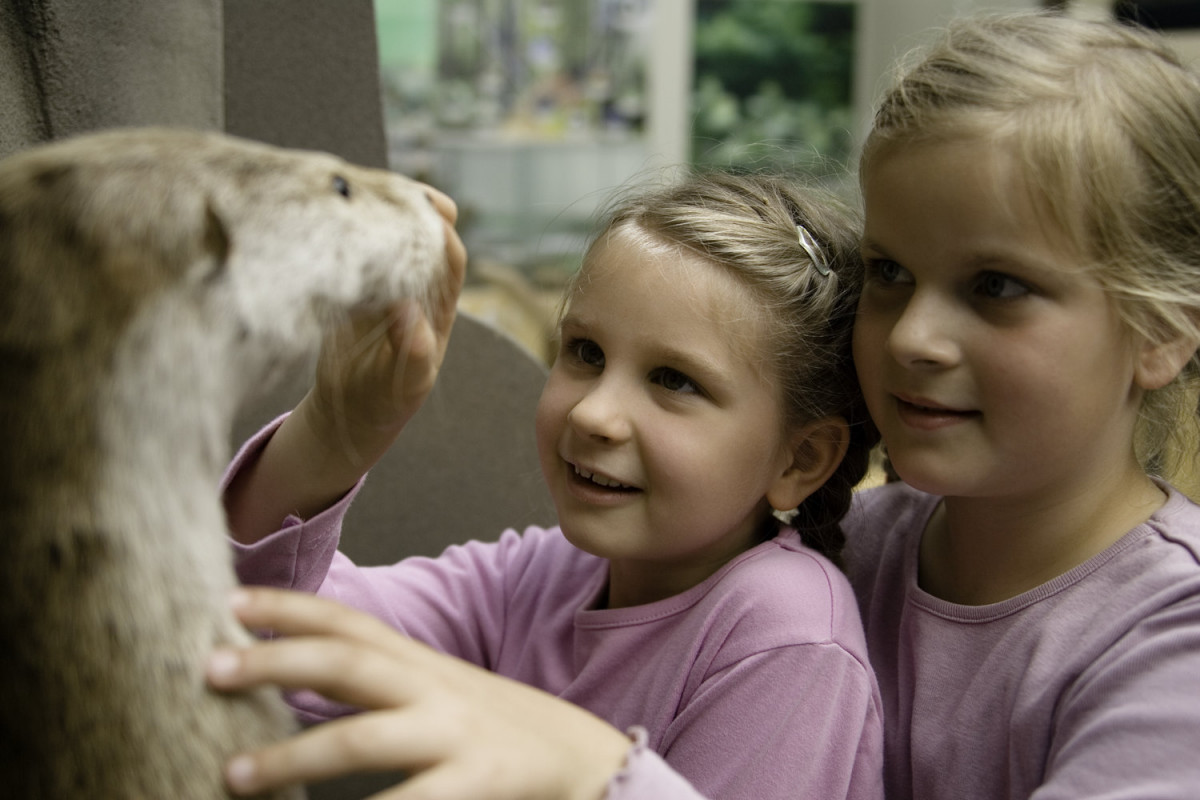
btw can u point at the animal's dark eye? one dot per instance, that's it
(341, 186)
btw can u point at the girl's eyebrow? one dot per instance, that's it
(572, 320)
(706, 370)
(867, 243)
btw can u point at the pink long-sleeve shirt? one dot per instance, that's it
(1085, 687)
(753, 684)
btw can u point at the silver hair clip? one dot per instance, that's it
(813, 250)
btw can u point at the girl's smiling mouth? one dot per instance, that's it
(928, 415)
(598, 480)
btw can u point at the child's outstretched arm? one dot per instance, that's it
(373, 374)
(458, 730)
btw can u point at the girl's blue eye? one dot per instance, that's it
(998, 286)
(586, 351)
(674, 381)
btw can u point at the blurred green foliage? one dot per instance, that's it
(773, 84)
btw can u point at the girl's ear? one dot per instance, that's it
(1158, 363)
(817, 450)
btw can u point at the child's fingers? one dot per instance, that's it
(411, 334)
(446, 300)
(422, 335)
(292, 613)
(343, 670)
(461, 731)
(449, 747)
(369, 742)
(455, 250)
(444, 204)
(354, 658)
(456, 254)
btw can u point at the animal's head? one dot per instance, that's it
(258, 239)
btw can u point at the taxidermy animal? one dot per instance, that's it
(149, 280)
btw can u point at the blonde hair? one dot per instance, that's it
(1105, 120)
(747, 224)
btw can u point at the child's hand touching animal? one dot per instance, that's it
(457, 730)
(373, 375)
(377, 369)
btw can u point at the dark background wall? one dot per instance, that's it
(305, 73)
(300, 73)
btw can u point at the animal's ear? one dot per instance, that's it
(817, 450)
(215, 243)
(1159, 362)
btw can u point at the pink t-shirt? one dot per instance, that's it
(753, 684)
(1085, 687)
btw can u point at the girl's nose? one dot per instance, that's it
(924, 334)
(600, 414)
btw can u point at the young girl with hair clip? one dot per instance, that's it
(703, 385)
(1026, 341)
